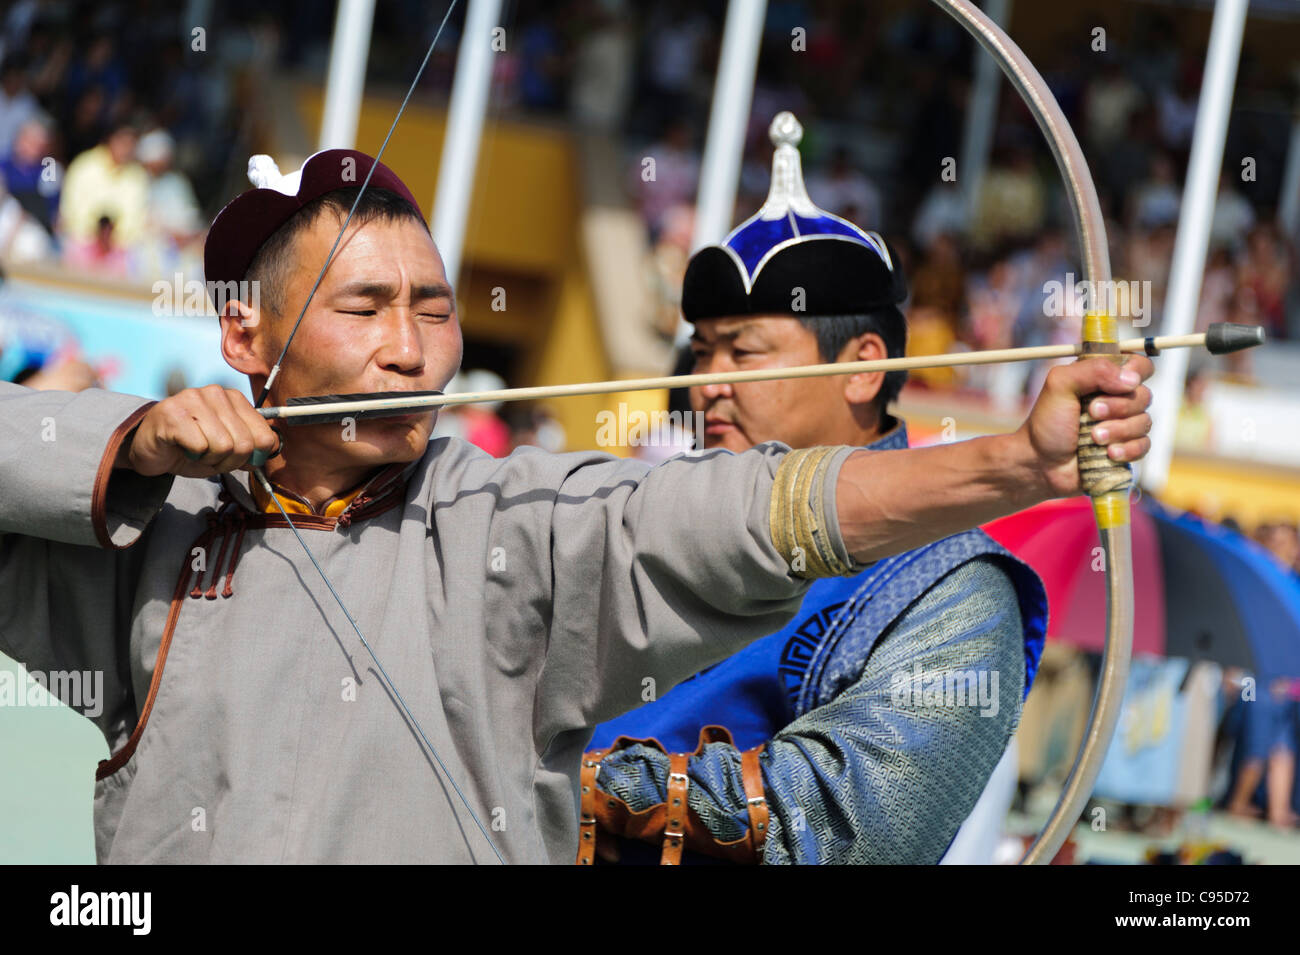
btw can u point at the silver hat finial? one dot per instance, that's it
(787, 193)
(785, 130)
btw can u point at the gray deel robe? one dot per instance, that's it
(515, 603)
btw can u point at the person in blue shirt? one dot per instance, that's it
(865, 730)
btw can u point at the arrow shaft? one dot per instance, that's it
(996, 356)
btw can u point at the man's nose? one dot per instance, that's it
(403, 349)
(711, 393)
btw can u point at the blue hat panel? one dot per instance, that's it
(753, 239)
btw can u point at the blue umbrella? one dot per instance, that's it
(1226, 598)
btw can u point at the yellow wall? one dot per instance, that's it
(1251, 493)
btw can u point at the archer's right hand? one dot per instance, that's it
(197, 432)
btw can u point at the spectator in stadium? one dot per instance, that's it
(666, 175)
(1195, 428)
(99, 67)
(105, 182)
(938, 303)
(1218, 287)
(31, 174)
(1281, 538)
(601, 88)
(544, 62)
(17, 104)
(173, 221)
(1263, 277)
(1111, 100)
(676, 34)
(943, 209)
(478, 423)
(844, 191)
(1155, 202)
(1234, 216)
(103, 255)
(1012, 203)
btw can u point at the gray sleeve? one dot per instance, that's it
(888, 770)
(66, 580)
(56, 467)
(659, 573)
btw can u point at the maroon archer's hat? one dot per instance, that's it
(251, 218)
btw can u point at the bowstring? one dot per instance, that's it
(275, 369)
(266, 485)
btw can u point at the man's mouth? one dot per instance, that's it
(411, 418)
(719, 426)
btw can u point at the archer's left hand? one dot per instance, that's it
(1052, 428)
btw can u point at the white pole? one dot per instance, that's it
(981, 115)
(1193, 240)
(733, 92)
(469, 97)
(349, 51)
(724, 149)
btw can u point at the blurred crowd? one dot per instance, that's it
(118, 124)
(884, 97)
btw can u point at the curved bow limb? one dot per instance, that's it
(1106, 482)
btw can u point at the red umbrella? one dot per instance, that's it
(1059, 540)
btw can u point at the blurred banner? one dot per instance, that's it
(134, 349)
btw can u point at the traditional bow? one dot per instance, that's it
(1106, 482)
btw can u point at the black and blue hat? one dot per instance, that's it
(791, 257)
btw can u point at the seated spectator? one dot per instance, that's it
(100, 66)
(1012, 204)
(29, 177)
(172, 221)
(943, 209)
(1195, 428)
(1281, 538)
(17, 104)
(1111, 100)
(1217, 289)
(105, 182)
(1234, 216)
(1156, 201)
(844, 191)
(938, 301)
(102, 255)
(671, 181)
(543, 67)
(22, 238)
(1263, 276)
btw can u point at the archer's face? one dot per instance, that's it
(800, 412)
(383, 319)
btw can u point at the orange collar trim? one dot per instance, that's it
(293, 504)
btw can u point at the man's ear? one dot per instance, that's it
(243, 338)
(862, 389)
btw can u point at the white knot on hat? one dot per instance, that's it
(265, 174)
